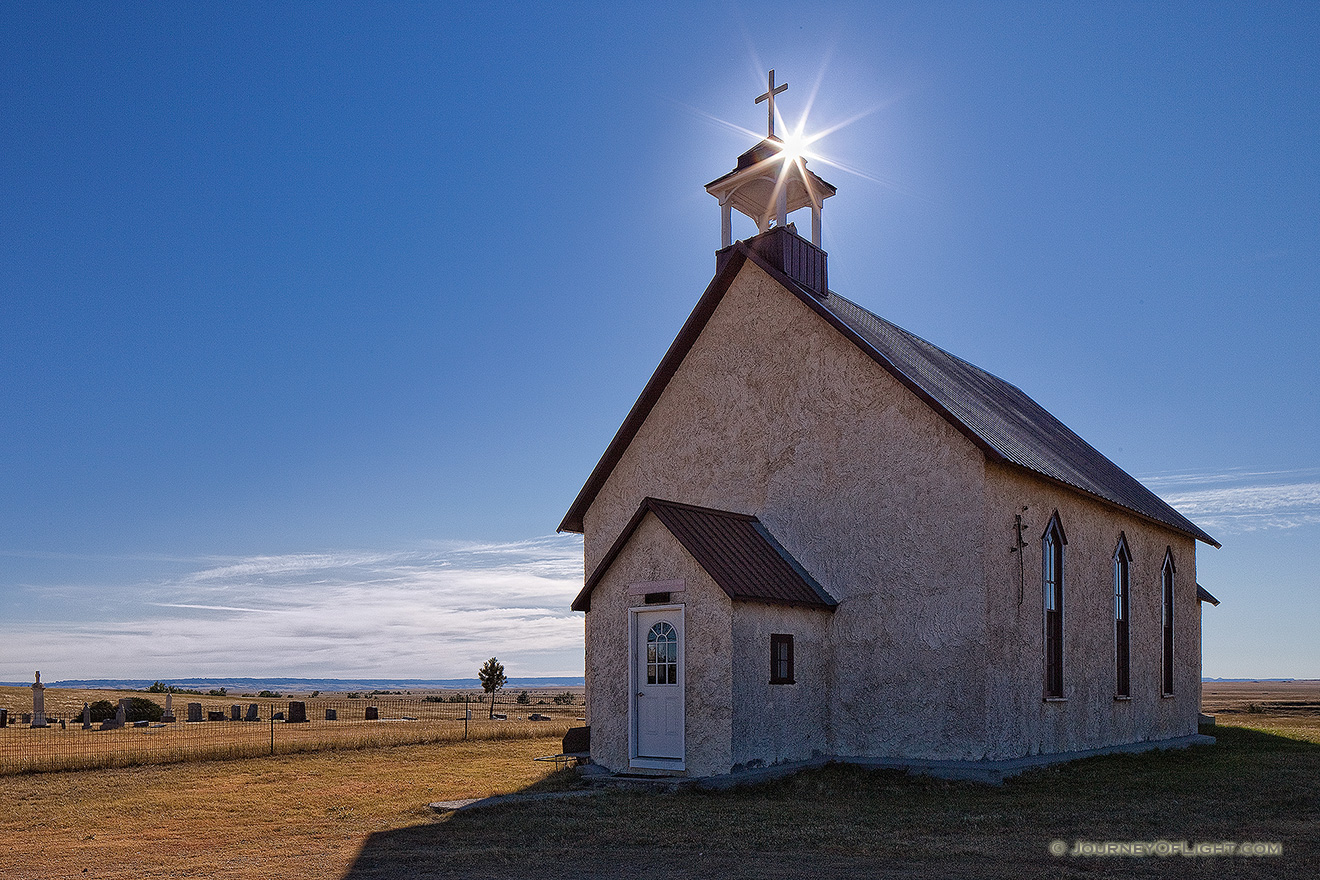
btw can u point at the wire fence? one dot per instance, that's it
(226, 727)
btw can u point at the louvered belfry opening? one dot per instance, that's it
(788, 252)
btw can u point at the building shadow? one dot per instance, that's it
(1238, 784)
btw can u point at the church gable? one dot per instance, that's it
(772, 412)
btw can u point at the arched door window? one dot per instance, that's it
(662, 655)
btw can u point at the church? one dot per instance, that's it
(817, 536)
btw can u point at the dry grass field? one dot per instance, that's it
(403, 719)
(302, 815)
(361, 815)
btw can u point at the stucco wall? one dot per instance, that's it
(652, 554)
(774, 723)
(773, 412)
(1019, 719)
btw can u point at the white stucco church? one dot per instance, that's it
(819, 536)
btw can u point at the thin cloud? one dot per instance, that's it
(1241, 500)
(429, 613)
(214, 607)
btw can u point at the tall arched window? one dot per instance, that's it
(1166, 582)
(1052, 543)
(1122, 661)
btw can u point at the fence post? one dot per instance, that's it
(467, 712)
(271, 713)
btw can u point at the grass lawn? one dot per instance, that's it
(362, 814)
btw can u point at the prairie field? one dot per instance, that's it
(362, 814)
(399, 719)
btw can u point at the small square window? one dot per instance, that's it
(781, 659)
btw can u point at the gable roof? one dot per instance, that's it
(998, 417)
(735, 549)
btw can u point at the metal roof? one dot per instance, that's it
(998, 417)
(1203, 595)
(1015, 427)
(735, 549)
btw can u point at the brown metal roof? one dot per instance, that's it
(735, 549)
(1006, 424)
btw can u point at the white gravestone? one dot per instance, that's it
(38, 703)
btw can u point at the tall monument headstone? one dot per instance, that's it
(87, 716)
(168, 717)
(38, 703)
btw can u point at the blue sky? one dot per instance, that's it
(313, 319)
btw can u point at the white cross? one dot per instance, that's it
(770, 96)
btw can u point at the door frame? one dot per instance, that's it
(633, 673)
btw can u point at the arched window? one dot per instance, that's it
(1122, 577)
(662, 655)
(1166, 582)
(1052, 543)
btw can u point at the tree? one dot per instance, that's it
(524, 698)
(492, 679)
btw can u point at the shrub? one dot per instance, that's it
(102, 710)
(270, 694)
(142, 709)
(524, 698)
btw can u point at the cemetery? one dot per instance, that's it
(65, 729)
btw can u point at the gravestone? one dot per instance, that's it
(577, 741)
(372, 713)
(499, 716)
(87, 716)
(27, 718)
(4, 718)
(278, 716)
(168, 717)
(236, 712)
(194, 712)
(38, 703)
(215, 714)
(331, 715)
(536, 716)
(253, 713)
(297, 712)
(118, 721)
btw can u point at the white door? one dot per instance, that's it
(658, 670)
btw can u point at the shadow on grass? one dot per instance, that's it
(846, 821)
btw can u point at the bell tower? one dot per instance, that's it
(770, 182)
